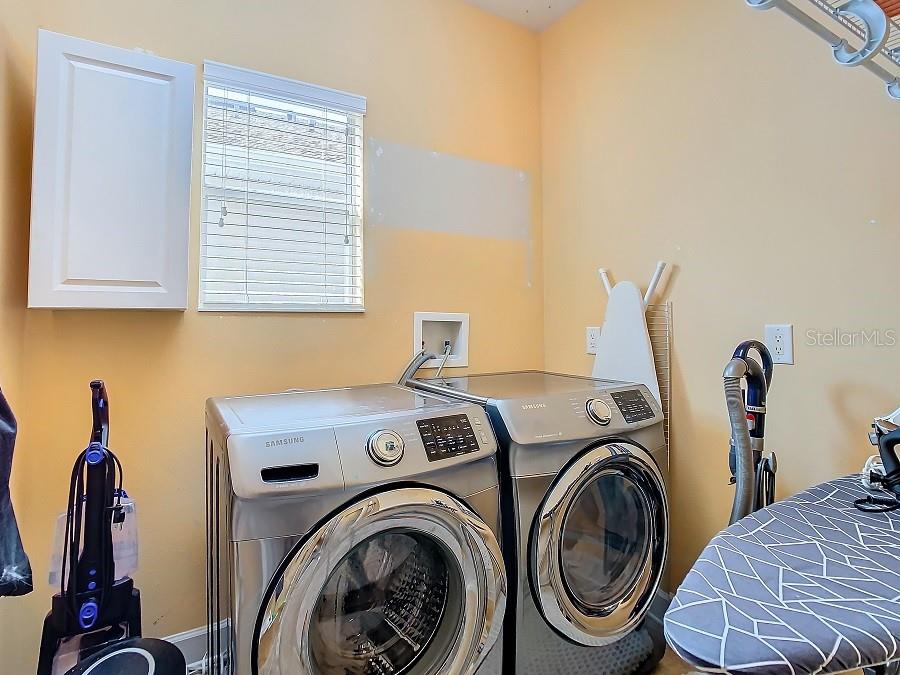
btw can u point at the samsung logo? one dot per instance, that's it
(533, 406)
(290, 440)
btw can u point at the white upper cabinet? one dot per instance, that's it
(110, 211)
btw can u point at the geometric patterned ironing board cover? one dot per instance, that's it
(807, 585)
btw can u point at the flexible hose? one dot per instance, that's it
(745, 488)
(413, 366)
(444, 362)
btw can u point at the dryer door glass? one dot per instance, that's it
(404, 581)
(605, 540)
(599, 544)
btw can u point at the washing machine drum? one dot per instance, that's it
(405, 581)
(599, 544)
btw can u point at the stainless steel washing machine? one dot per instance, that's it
(353, 532)
(585, 516)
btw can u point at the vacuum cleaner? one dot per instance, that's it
(747, 382)
(881, 474)
(94, 622)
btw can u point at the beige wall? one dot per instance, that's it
(15, 161)
(694, 132)
(438, 74)
(727, 142)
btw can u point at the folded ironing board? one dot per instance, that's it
(807, 585)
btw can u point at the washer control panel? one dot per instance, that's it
(633, 406)
(449, 436)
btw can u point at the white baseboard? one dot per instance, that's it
(192, 644)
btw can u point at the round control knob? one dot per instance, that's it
(385, 447)
(599, 412)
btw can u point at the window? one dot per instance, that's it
(282, 195)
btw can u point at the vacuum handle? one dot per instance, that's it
(100, 413)
(886, 448)
(765, 356)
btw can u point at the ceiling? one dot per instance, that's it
(534, 14)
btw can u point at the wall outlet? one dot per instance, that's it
(780, 341)
(592, 339)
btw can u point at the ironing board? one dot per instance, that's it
(807, 585)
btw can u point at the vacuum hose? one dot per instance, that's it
(745, 473)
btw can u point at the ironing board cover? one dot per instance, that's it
(807, 585)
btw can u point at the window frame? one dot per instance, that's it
(218, 74)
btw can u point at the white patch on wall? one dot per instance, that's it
(418, 189)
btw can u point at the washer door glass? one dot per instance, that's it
(605, 540)
(383, 605)
(404, 581)
(599, 544)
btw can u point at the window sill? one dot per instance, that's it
(279, 309)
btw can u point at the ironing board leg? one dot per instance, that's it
(888, 669)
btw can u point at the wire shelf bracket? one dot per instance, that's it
(859, 32)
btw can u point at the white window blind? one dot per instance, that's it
(282, 195)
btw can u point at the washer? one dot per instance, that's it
(353, 532)
(585, 516)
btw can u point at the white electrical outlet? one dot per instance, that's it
(592, 339)
(780, 341)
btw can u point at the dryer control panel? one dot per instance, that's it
(606, 409)
(448, 436)
(633, 406)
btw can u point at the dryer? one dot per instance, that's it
(353, 531)
(585, 516)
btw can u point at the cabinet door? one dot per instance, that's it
(110, 212)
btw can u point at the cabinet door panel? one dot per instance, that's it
(111, 184)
